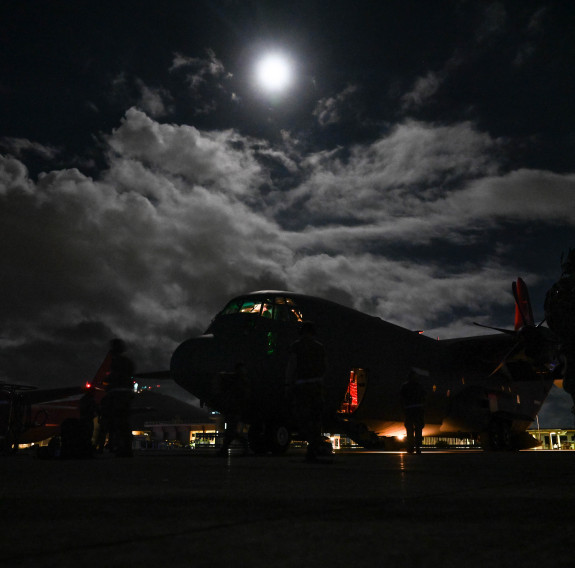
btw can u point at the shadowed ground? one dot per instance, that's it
(364, 509)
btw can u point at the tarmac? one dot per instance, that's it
(439, 509)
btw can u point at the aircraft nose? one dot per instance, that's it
(196, 363)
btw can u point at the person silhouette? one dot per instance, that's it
(117, 403)
(413, 397)
(304, 376)
(236, 398)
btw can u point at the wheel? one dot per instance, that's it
(279, 439)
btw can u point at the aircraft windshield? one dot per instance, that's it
(276, 307)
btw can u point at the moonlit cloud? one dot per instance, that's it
(214, 159)
(330, 110)
(133, 251)
(492, 20)
(20, 147)
(206, 79)
(399, 175)
(154, 101)
(423, 90)
(199, 68)
(177, 223)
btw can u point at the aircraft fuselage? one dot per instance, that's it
(368, 360)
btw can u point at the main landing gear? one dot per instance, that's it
(498, 435)
(264, 438)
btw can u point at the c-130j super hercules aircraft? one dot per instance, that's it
(489, 386)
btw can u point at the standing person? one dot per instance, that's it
(104, 425)
(88, 411)
(305, 372)
(120, 394)
(413, 401)
(236, 398)
(560, 316)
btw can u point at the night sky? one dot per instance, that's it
(418, 159)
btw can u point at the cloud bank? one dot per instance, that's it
(182, 219)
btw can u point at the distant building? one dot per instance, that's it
(554, 438)
(174, 433)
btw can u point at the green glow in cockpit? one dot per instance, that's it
(272, 338)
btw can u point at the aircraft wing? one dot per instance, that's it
(45, 395)
(481, 353)
(154, 375)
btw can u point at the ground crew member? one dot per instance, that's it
(413, 401)
(304, 375)
(560, 316)
(88, 411)
(120, 392)
(235, 401)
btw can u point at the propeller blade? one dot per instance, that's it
(507, 331)
(507, 356)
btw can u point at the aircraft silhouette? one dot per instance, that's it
(489, 386)
(29, 414)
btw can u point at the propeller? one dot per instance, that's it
(529, 337)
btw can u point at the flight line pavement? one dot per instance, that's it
(440, 509)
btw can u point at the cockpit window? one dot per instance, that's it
(286, 310)
(232, 308)
(276, 307)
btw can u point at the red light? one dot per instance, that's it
(88, 385)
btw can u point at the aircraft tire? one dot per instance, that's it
(279, 439)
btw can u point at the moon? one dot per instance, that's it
(274, 72)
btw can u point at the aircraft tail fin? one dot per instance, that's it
(523, 310)
(100, 379)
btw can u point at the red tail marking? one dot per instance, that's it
(523, 311)
(100, 378)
